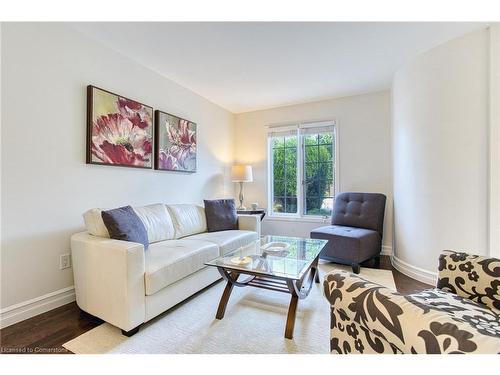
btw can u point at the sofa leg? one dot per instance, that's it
(356, 268)
(376, 264)
(132, 332)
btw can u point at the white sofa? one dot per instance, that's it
(125, 285)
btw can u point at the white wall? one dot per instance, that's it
(440, 148)
(364, 150)
(494, 145)
(46, 184)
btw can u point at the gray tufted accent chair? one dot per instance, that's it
(355, 234)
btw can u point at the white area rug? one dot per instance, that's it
(254, 323)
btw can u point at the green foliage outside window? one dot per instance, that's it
(285, 174)
(318, 178)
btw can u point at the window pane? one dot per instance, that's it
(311, 153)
(325, 153)
(312, 206)
(291, 173)
(311, 188)
(279, 204)
(291, 205)
(279, 188)
(325, 170)
(291, 155)
(291, 189)
(311, 139)
(326, 206)
(278, 162)
(318, 174)
(278, 142)
(323, 188)
(311, 172)
(319, 206)
(317, 155)
(329, 188)
(284, 174)
(325, 138)
(279, 155)
(291, 141)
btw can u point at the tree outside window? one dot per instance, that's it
(312, 154)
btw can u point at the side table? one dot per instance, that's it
(259, 211)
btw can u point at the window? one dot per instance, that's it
(284, 156)
(302, 169)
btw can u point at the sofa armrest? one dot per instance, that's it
(365, 316)
(249, 222)
(369, 318)
(109, 279)
(470, 276)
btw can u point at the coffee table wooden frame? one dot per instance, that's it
(299, 289)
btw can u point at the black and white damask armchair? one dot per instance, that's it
(461, 315)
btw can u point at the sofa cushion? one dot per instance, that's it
(221, 215)
(170, 261)
(124, 224)
(227, 240)
(94, 224)
(474, 321)
(348, 243)
(157, 221)
(188, 219)
(485, 320)
(360, 210)
(155, 218)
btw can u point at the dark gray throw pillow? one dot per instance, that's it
(124, 224)
(221, 215)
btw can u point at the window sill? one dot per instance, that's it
(301, 219)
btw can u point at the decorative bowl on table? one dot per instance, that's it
(241, 261)
(279, 249)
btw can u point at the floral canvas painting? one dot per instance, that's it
(119, 130)
(175, 143)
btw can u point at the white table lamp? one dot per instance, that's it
(241, 174)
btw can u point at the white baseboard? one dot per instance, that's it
(28, 309)
(416, 273)
(386, 250)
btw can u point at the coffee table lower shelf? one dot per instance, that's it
(299, 289)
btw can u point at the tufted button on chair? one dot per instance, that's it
(355, 233)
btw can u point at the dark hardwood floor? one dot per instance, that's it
(45, 333)
(404, 284)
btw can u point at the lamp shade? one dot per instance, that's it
(242, 173)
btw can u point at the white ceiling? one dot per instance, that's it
(249, 66)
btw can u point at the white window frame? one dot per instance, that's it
(277, 128)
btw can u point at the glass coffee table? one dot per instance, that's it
(281, 264)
